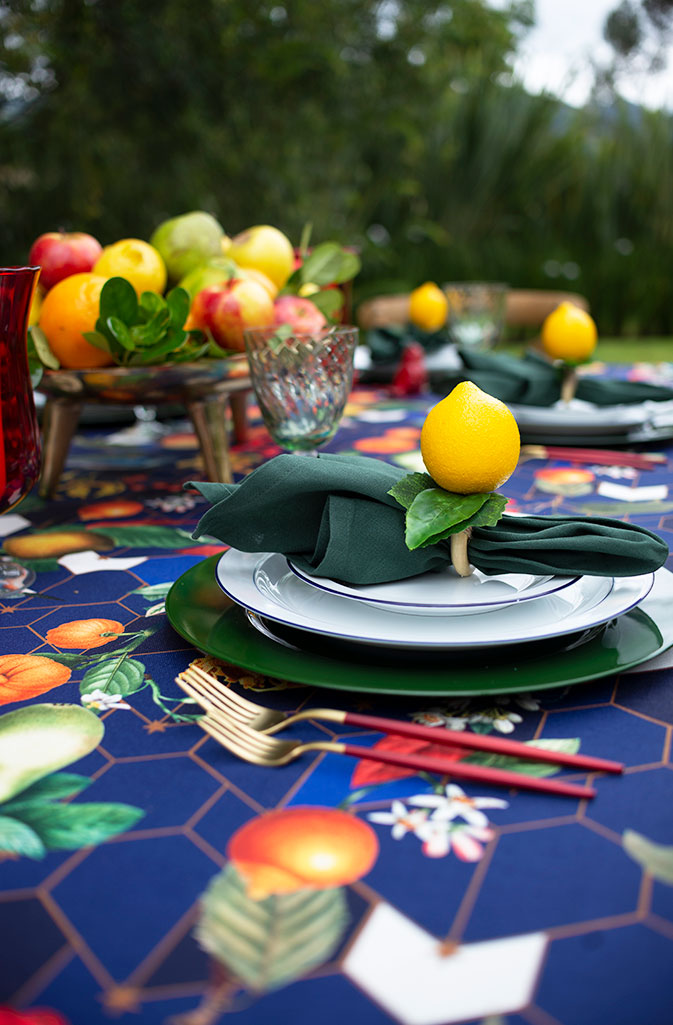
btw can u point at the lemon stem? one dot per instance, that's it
(459, 559)
(568, 384)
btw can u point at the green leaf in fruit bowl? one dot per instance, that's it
(97, 339)
(329, 264)
(120, 332)
(435, 514)
(328, 300)
(150, 304)
(38, 340)
(178, 305)
(118, 299)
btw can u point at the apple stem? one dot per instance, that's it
(459, 558)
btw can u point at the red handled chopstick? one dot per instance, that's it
(601, 456)
(474, 741)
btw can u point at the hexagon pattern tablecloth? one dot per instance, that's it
(144, 878)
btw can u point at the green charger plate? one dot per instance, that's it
(203, 615)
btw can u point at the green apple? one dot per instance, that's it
(215, 272)
(188, 241)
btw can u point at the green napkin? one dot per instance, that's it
(534, 381)
(333, 517)
(386, 344)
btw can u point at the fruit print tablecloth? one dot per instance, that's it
(147, 876)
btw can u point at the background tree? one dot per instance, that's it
(394, 125)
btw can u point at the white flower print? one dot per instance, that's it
(400, 818)
(455, 803)
(102, 701)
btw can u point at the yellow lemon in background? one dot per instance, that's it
(264, 248)
(569, 333)
(470, 441)
(428, 307)
(137, 261)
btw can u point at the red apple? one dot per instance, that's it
(61, 253)
(301, 314)
(224, 311)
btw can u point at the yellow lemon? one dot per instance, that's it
(137, 261)
(428, 307)
(569, 333)
(470, 441)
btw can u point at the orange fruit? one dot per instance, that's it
(69, 309)
(137, 261)
(470, 441)
(84, 633)
(569, 333)
(428, 307)
(28, 676)
(302, 848)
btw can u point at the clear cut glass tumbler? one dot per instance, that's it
(302, 382)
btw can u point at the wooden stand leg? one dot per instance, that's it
(238, 401)
(60, 421)
(209, 417)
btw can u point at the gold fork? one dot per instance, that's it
(261, 749)
(210, 691)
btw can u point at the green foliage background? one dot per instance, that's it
(393, 125)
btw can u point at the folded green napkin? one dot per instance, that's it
(386, 344)
(333, 517)
(534, 381)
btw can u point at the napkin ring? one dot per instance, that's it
(459, 559)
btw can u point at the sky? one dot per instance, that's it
(555, 54)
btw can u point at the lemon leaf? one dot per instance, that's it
(406, 489)
(435, 514)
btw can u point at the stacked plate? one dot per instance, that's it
(436, 611)
(434, 634)
(583, 423)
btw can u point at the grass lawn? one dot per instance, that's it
(617, 350)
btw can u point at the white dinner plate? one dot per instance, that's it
(263, 583)
(444, 593)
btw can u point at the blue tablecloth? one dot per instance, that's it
(444, 905)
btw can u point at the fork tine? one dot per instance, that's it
(216, 697)
(220, 696)
(256, 742)
(231, 695)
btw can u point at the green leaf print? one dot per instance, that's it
(269, 943)
(571, 745)
(114, 676)
(49, 788)
(18, 838)
(655, 858)
(71, 826)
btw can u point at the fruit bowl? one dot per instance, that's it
(204, 387)
(148, 385)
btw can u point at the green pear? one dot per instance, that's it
(215, 272)
(40, 739)
(188, 241)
